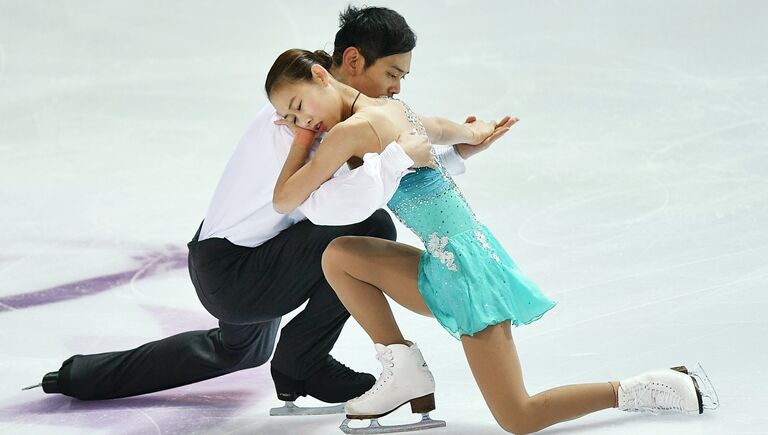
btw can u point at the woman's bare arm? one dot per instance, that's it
(444, 132)
(298, 180)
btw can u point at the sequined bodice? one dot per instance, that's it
(428, 201)
(465, 277)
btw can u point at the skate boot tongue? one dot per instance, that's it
(396, 351)
(381, 349)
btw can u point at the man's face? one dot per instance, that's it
(383, 77)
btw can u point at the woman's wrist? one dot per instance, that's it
(304, 138)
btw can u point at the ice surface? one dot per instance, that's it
(633, 190)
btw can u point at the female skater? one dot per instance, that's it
(464, 279)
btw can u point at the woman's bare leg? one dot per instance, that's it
(493, 359)
(360, 268)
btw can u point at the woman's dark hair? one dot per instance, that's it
(295, 65)
(376, 32)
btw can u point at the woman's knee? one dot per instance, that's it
(335, 254)
(515, 426)
(516, 417)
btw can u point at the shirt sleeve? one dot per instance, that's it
(450, 159)
(352, 196)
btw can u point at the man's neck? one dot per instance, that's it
(339, 74)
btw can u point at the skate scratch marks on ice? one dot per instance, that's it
(654, 158)
(652, 272)
(151, 420)
(715, 287)
(91, 286)
(657, 194)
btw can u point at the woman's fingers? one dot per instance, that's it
(499, 132)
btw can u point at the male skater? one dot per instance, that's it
(251, 265)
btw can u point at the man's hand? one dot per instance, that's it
(480, 130)
(501, 128)
(301, 136)
(418, 148)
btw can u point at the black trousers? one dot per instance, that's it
(248, 290)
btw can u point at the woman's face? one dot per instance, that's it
(313, 105)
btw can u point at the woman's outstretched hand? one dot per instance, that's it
(418, 148)
(499, 129)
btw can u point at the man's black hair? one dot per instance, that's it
(376, 32)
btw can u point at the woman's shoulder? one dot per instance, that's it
(357, 125)
(379, 118)
(360, 132)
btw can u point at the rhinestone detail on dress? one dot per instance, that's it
(436, 246)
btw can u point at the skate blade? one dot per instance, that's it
(375, 428)
(709, 399)
(32, 386)
(681, 369)
(290, 409)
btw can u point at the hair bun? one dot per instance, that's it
(323, 58)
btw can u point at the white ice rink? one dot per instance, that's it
(634, 190)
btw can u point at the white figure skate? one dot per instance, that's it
(405, 379)
(669, 391)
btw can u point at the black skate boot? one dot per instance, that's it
(50, 383)
(55, 382)
(331, 382)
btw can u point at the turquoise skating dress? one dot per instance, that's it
(466, 278)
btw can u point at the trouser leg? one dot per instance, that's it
(178, 360)
(309, 337)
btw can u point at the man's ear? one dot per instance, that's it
(353, 61)
(320, 74)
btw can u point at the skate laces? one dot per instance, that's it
(654, 397)
(334, 368)
(385, 358)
